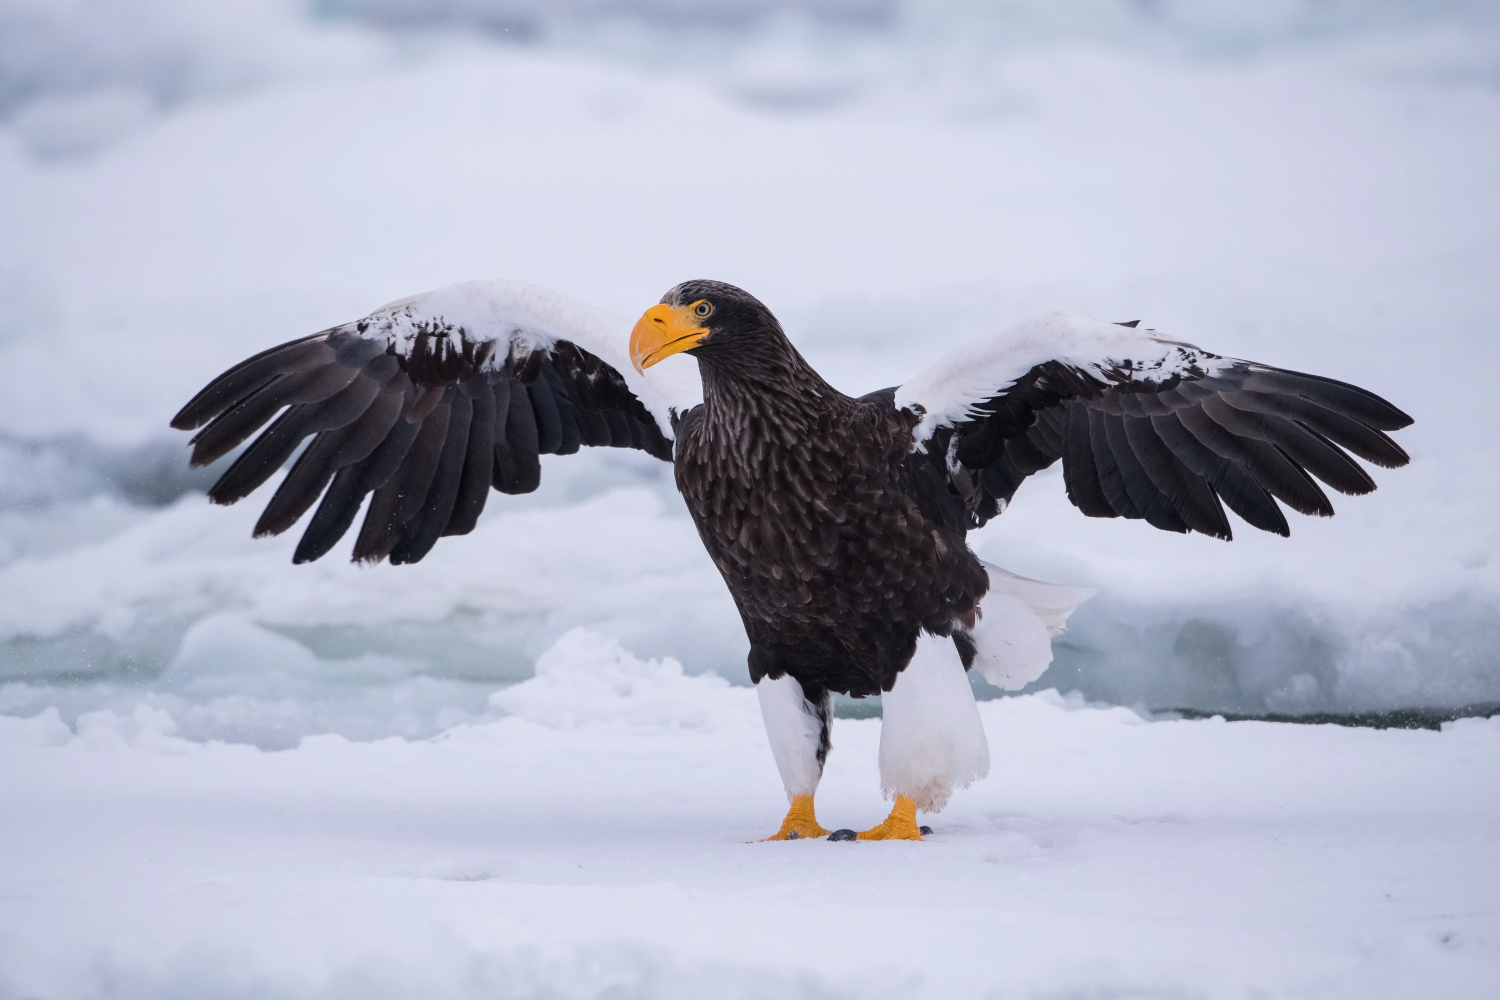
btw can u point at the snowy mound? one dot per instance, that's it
(587, 678)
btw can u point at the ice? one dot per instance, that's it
(586, 677)
(1328, 208)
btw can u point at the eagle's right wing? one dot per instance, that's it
(427, 403)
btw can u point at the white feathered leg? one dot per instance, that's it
(931, 739)
(798, 731)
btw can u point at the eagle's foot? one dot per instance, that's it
(800, 823)
(901, 824)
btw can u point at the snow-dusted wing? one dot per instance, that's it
(427, 403)
(1146, 427)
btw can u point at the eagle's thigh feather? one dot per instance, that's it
(797, 728)
(931, 738)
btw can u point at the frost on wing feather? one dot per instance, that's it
(959, 384)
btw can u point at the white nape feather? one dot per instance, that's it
(1018, 618)
(948, 391)
(533, 317)
(931, 736)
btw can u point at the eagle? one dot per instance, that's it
(838, 522)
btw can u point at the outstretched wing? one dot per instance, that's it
(427, 403)
(1146, 427)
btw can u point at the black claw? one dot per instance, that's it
(793, 835)
(925, 831)
(842, 835)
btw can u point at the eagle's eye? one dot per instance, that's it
(703, 309)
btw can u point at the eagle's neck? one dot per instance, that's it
(771, 400)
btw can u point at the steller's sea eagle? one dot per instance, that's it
(838, 522)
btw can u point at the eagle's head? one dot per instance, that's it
(712, 320)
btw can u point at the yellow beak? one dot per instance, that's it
(662, 332)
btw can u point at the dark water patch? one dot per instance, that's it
(1400, 718)
(845, 707)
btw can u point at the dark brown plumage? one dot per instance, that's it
(803, 497)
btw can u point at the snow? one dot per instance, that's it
(225, 775)
(600, 851)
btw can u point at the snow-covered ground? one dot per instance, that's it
(591, 843)
(1306, 184)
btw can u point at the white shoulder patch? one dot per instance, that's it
(530, 317)
(948, 391)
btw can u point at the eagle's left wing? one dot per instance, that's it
(426, 403)
(1146, 427)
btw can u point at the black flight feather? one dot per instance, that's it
(567, 418)
(1147, 499)
(522, 443)
(271, 450)
(403, 494)
(479, 463)
(230, 428)
(1341, 397)
(421, 531)
(1111, 480)
(329, 452)
(250, 375)
(1236, 487)
(1080, 475)
(352, 484)
(544, 407)
(1185, 491)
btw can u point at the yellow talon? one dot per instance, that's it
(901, 824)
(800, 821)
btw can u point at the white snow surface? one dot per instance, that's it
(594, 841)
(224, 775)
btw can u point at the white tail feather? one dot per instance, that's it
(1018, 618)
